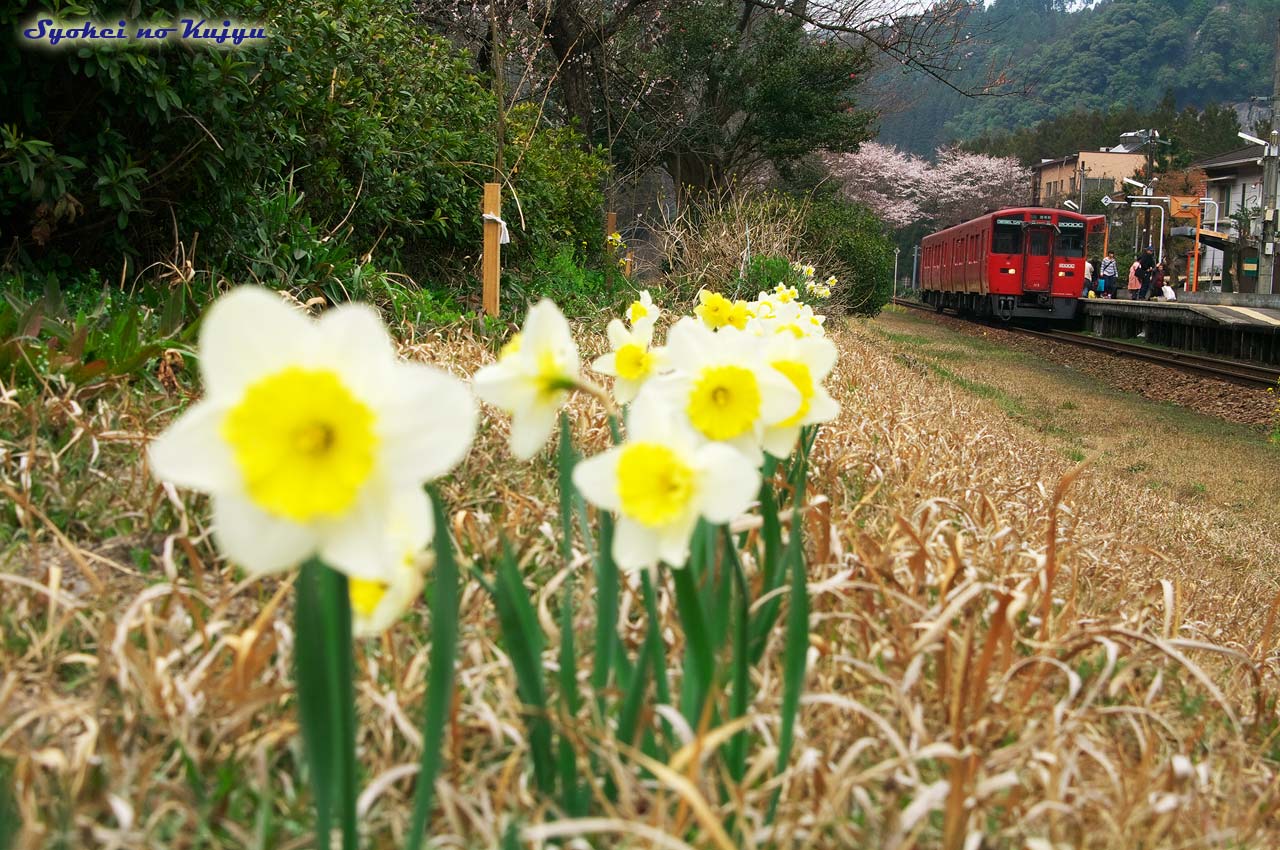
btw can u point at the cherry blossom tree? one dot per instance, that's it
(904, 190)
(893, 184)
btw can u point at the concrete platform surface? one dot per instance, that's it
(1181, 312)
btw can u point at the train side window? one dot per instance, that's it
(1007, 239)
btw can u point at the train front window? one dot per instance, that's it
(1006, 238)
(1038, 243)
(1069, 244)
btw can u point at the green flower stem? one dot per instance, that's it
(444, 597)
(656, 647)
(795, 650)
(740, 695)
(522, 640)
(699, 657)
(326, 697)
(606, 608)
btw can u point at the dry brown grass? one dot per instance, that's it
(998, 660)
(707, 240)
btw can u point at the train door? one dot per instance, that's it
(1037, 258)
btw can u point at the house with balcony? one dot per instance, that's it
(1056, 180)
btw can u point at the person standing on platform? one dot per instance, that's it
(1088, 278)
(1135, 284)
(1146, 268)
(1109, 272)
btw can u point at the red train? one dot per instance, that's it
(1017, 262)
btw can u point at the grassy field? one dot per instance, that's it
(1010, 648)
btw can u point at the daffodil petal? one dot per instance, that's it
(625, 391)
(634, 546)
(503, 387)
(729, 483)
(359, 544)
(531, 428)
(617, 333)
(356, 345)
(597, 480)
(823, 408)
(431, 422)
(673, 540)
(546, 327)
(248, 333)
(778, 396)
(257, 541)
(780, 442)
(191, 452)
(606, 364)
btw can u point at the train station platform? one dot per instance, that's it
(1236, 330)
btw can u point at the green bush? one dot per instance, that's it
(558, 184)
(855, 241)
(352, 140)
(86, 338)
(766, 272)
(579, 291)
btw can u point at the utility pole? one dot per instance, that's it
(1151, 173)
(1267, 247)
(915, 262)
(1083, 172)
(896, 251)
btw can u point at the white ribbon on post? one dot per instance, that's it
(503, 236)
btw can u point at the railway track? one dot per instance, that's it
(1229, 370)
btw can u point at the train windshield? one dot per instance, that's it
(1006, 237)
(1070, 241)
(1069, 245)
(1038, 242)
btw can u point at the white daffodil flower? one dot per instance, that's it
(724, 386)
(642, 310)
(632, 360)
(533, 377)
(376, 604)
(310, 434)
(660, 481)
(805, 362)
(784, 294)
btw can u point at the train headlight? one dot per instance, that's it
(1008, 271)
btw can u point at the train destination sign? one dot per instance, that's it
(1009, 221)
(1067, 224)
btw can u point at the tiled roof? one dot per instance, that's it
(1249, 155)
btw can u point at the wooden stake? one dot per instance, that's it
(626, 269)
(491, 262)
(610, 224)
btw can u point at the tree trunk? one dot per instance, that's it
(577, 51)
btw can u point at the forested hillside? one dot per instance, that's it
(1117, 54)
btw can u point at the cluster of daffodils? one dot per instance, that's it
(732, 383)
(618, 247)
(314, 440)
(820, 290)
(812, 286)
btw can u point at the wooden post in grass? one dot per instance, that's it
(490, 266)
(610, 225)
(626, 268)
